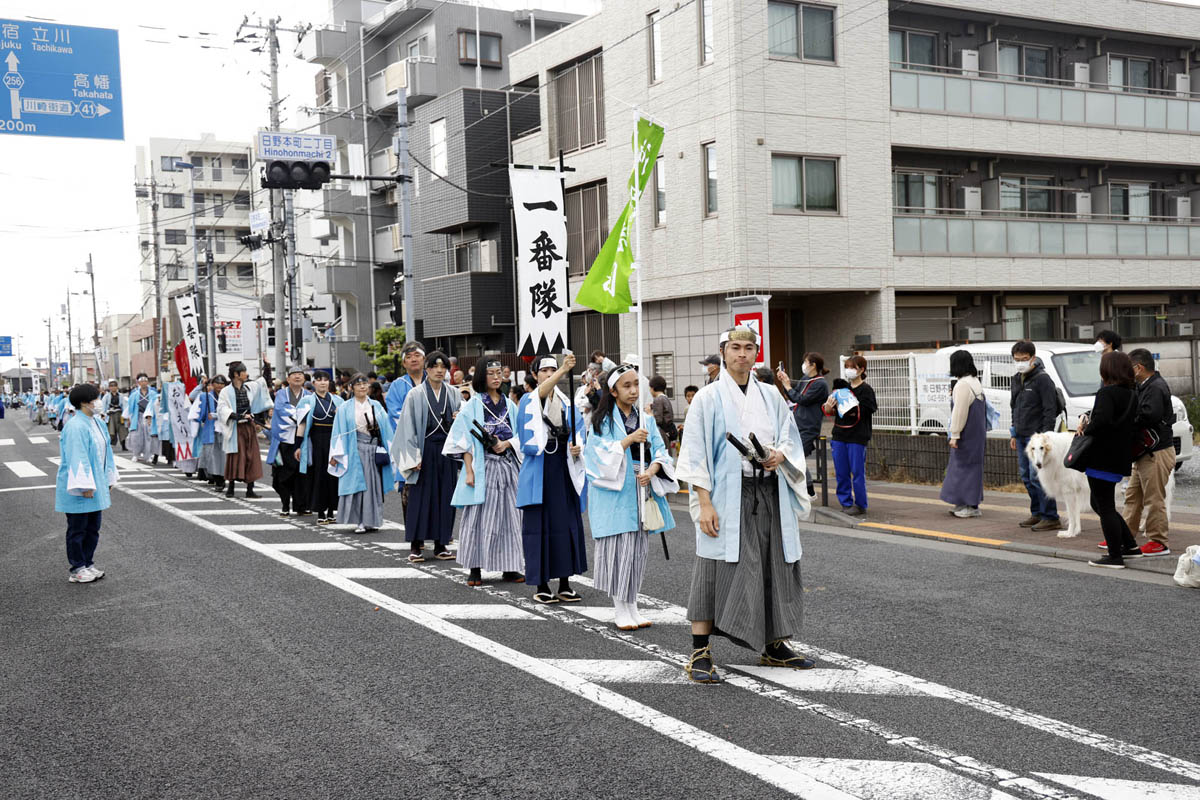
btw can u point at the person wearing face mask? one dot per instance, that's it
(1034, 406)
(852, 434)
(86, 471)
(1107, 342)
(809, 393)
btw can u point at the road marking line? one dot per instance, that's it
(779, 775)
(23, 469)
(298, 547)
(159, 491)
(893, 780)
(27, 488)
(1118, 789)
(139, 481)
(37, 439)
(273, 526)
(188, 499)
(378, 573)
(4, 442)
(476, 610)
(218, 511)
(958, 537)
(615, 670)
(605, 613)
(55, 460)
(827, 680)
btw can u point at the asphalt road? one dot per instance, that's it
(217, 660)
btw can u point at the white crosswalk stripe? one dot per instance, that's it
(302, 547)
(892, 780)
(37, 439)
(379, 573)
(212, 512)
(23, 469)
(476, 611)
(179, 500)
(272, 526)
(603, 670)
(655, 615)
(1117, 789)
(4, 442)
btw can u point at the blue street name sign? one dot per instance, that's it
(61, 80)
(5, 345)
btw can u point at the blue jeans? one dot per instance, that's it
(83, 533)
(1040, 505)
(850, 464)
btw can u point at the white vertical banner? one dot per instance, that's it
(178, 408)
(541, 250)
(190, 325)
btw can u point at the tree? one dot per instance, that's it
(384, 354)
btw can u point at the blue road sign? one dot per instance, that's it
(62, 80)
(5, 345)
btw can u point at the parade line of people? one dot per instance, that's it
(523, 475)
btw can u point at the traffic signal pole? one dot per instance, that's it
(400, 145)
(276, 206)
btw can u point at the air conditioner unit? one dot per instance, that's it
(1183, 84)
(390, 197)
(974, 334)
(1085, 332)
(969, 199)
(489, 256)
(1179, 208)
(1180, 329)
(1081, 75)
(1078, 203)
(968, 62)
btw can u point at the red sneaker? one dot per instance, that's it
(1103, 545)
(1155, 549)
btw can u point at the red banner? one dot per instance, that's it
(184, 366)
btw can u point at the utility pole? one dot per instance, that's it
(289, 215)
(210, 270)
(49, 349)
(400, 145)
(478, 51)
(159, 334)
(70, 327)
(276, 206)
(95, 322)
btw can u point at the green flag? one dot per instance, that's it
(606, 287)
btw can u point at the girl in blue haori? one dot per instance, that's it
(490, 535)
(141, 414)
(429, 476)
(207, 433)
(315, 415)
(550, 485)
(617, 474)
(361, 432)
(85, 472)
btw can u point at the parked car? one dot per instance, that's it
(913, 389)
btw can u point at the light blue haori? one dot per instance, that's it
(135, 419)
(534, 435)
(285, 420)
(708, 461)
(343, 449)
(461, 441)
(612, 478)
(85, 464)
(260, 401)
(304, 412)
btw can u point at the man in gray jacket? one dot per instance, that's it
(1148, 483)
(1034, 410)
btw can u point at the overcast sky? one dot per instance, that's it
(65, 198)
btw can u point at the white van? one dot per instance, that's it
(1074, 368)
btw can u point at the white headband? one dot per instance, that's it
(415, 350)
(617, 373)
(725, 335)
(546, 362)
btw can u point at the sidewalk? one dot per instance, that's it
(915, 510)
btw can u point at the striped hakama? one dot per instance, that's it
(621, 564)
(490, 536)
(246, 464)
(141, 444)
(759, 598)
(366, 507)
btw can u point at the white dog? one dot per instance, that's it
(1046, 452)
(1068, 486)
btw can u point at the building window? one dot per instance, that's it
(218, 241)
(198, 202)
(660, 193)
(175, 236)
(437, 148)
(1137, 322)
(579, 105)
(796, 30)
(218, 204)
(654, 46)
(215, 163)
(804, 184)
(245, 273)
(1026, 197)
(709, 160)
(912, 50)
(587, 225)
(706, 32)
(915, 192)
(240, 164)
(1031, 323)
(241, 201)
(593, 331)
(491, 48)
(419, 47)
(1130, 74)
(1021, 62)
(167, 163)
(464, 257)
(664, 365)
(172, 200)
(1129, 201)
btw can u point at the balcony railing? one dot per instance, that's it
(950, 232)
(1041, 100)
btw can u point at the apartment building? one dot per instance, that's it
(462, 266)
(874, 174)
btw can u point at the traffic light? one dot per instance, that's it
(252, 240)
(296, 175)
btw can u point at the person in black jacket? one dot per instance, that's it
(1148, 484)
(1109, 457)
(851, 434)
(808, 393)
(1034, 406)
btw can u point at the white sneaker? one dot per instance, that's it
(82, 575)
(99, 573)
